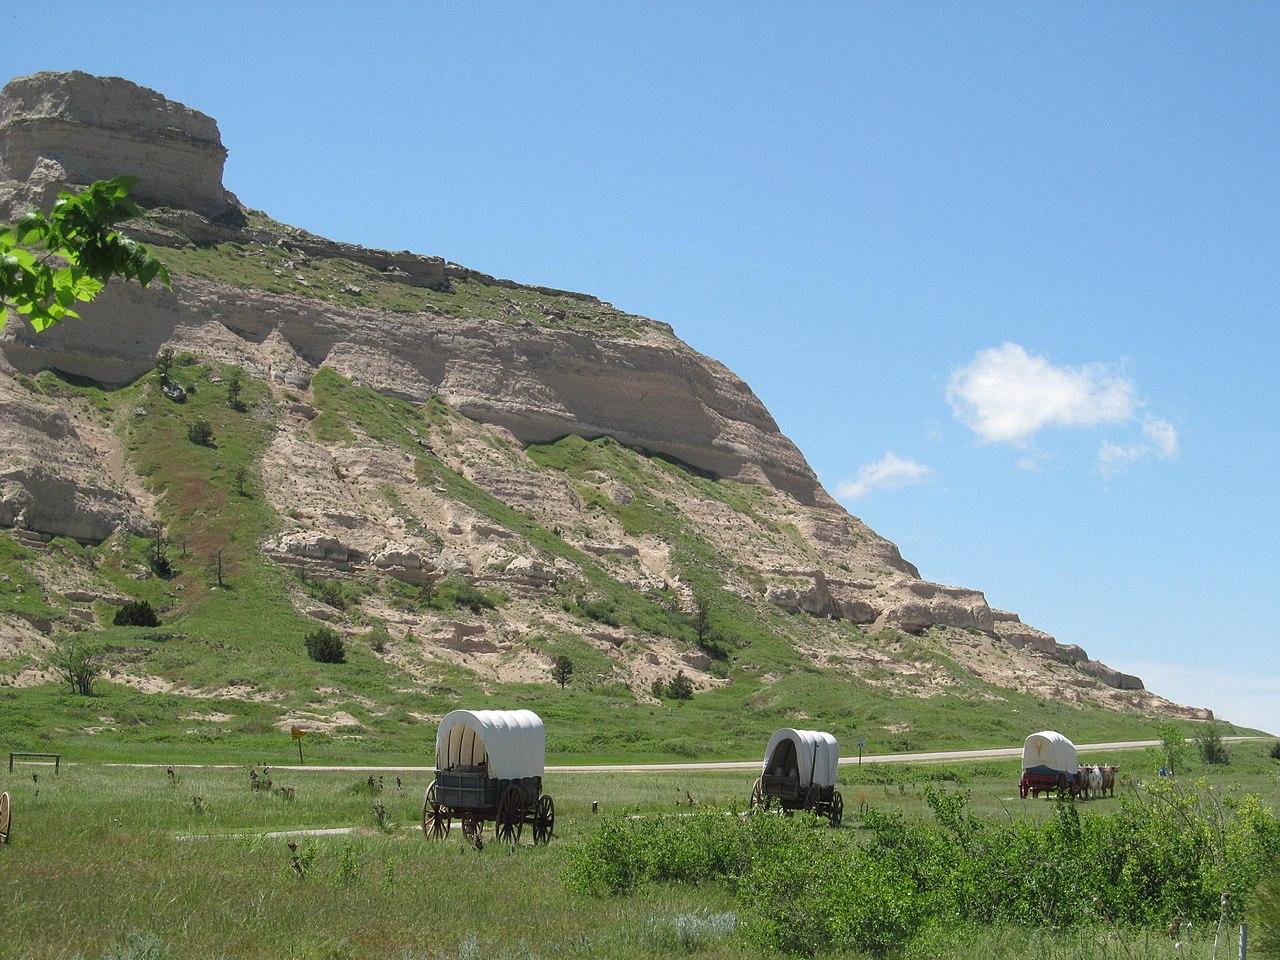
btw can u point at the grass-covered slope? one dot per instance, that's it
(227, 670)
(262, 259)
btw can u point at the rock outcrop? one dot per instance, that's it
(52, 480)
(74, 128)
(649, 391)
(527, 381)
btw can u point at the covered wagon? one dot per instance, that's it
(800, 774)
(1048, 764)
(489, 766)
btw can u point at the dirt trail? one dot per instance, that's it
(943, 756)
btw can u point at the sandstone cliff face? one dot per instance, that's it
(532, 364)
(54, 477)
(59, 128)
(651, 392)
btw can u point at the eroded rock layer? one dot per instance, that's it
(521, 364)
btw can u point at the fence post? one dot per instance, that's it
(1244, 941)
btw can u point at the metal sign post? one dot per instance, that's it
(298, 733)
(862, 742)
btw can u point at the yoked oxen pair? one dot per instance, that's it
(1095, 781)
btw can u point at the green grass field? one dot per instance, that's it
(108, 860)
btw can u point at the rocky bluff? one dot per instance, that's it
(538, 363)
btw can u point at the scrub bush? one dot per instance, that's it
(326, 646)
(200, 432)
(136, 613)
(1169, 855)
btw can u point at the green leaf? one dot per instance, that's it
(87, 287)
(22, 258)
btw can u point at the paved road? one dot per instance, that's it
(943, 756)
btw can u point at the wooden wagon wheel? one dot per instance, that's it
(6, 818)
(837, 809)
(472, 827)
(758, 799)
(544, 819)
(812, 797)
(436, 819)
(509, 821)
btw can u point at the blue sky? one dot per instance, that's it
(1029, 250)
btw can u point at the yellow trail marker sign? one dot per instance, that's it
(297, 733)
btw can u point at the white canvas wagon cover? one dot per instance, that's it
(817, 755)
(513, 743)
(1049, 749)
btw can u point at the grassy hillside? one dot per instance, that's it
(235, 650)
(255, 264)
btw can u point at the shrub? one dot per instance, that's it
(1212, 749)
(161, 566)
(1172, 752)
(705, 633)
(562, 670)
(331, 592)
(379, 637)
(200, 432)
(600, 609)
(1275, 750)
(326, 646)
(680, 687)
(136, 613)
(234, 386)
(456, 591)
(240, 480)
(1169, 855)
(658, 689)
(164, 363)
(78, 662)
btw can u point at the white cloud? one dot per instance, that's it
(1036, 461)
(890, 472)
(1246, 699)
(1006, 395)
(1160, 440)
(1163, 437)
